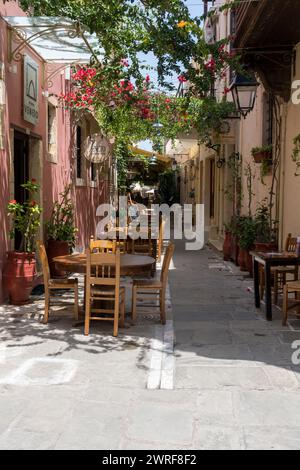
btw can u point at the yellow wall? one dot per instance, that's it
(291, 183)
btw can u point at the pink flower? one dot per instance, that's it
(130, 87)
(124, 62)
(13, 201)
(147, 79)
(210, 65)
(182, 79)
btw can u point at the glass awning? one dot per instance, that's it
(55, 39)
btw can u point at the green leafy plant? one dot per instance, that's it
(233, 189)
(61, 226)
(262, 223)
(247, 232)
(167, 189)
(26, 217)
(250, 177)
(296, 154)
(267, 149)
(265, 169)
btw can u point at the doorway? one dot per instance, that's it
(21, 171)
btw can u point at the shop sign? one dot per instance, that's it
(31, 103)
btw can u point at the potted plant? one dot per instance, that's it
(265, 169)
(237, 230)
(20, 268)
(264, 239)
(60, 231)
(247, 235)
(262, 153)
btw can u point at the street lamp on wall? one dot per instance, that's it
(174, 164)
(243, 89)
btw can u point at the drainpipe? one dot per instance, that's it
(282, 171)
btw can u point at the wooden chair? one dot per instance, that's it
(149, 289)
(120, 242)
(54, 284)
(290, 287)
(103, 285)
(280, 273)
(122, 245)
(102, 246)
(160, 243)
(143, 246)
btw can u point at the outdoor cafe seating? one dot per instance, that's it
(103, 265)
(278, 273)
(55, 284)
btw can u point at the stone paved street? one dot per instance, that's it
(228, 384)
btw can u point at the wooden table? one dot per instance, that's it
(131, 265)
(269, 260)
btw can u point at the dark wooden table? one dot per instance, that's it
(270, 260)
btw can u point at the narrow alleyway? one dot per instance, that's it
(240, 365)
(229, 384)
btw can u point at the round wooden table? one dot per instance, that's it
(131, 265)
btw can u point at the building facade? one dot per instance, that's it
(40, 139)
(266, 36)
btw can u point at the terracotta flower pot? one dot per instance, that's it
(242, 259)
(18, 276)
(261, 156)
(227, 246)
(57, 248)
(249, 263)
(234, 249)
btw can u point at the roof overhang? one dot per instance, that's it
(54, 39)
(145, 153)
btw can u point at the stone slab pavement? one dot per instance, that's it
(217, 376)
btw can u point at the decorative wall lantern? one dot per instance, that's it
(153, 160)
(174, 164)
(243, 89)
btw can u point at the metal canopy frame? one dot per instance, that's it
(53, 39)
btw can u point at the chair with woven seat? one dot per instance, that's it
(280, 273)
(55, 284)
(153, 289)
(290, 288)
(103, 288)
(143, 246)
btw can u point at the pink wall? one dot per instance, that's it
(54, 175)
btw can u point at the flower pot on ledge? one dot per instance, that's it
(260, 157)
(18, 276)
